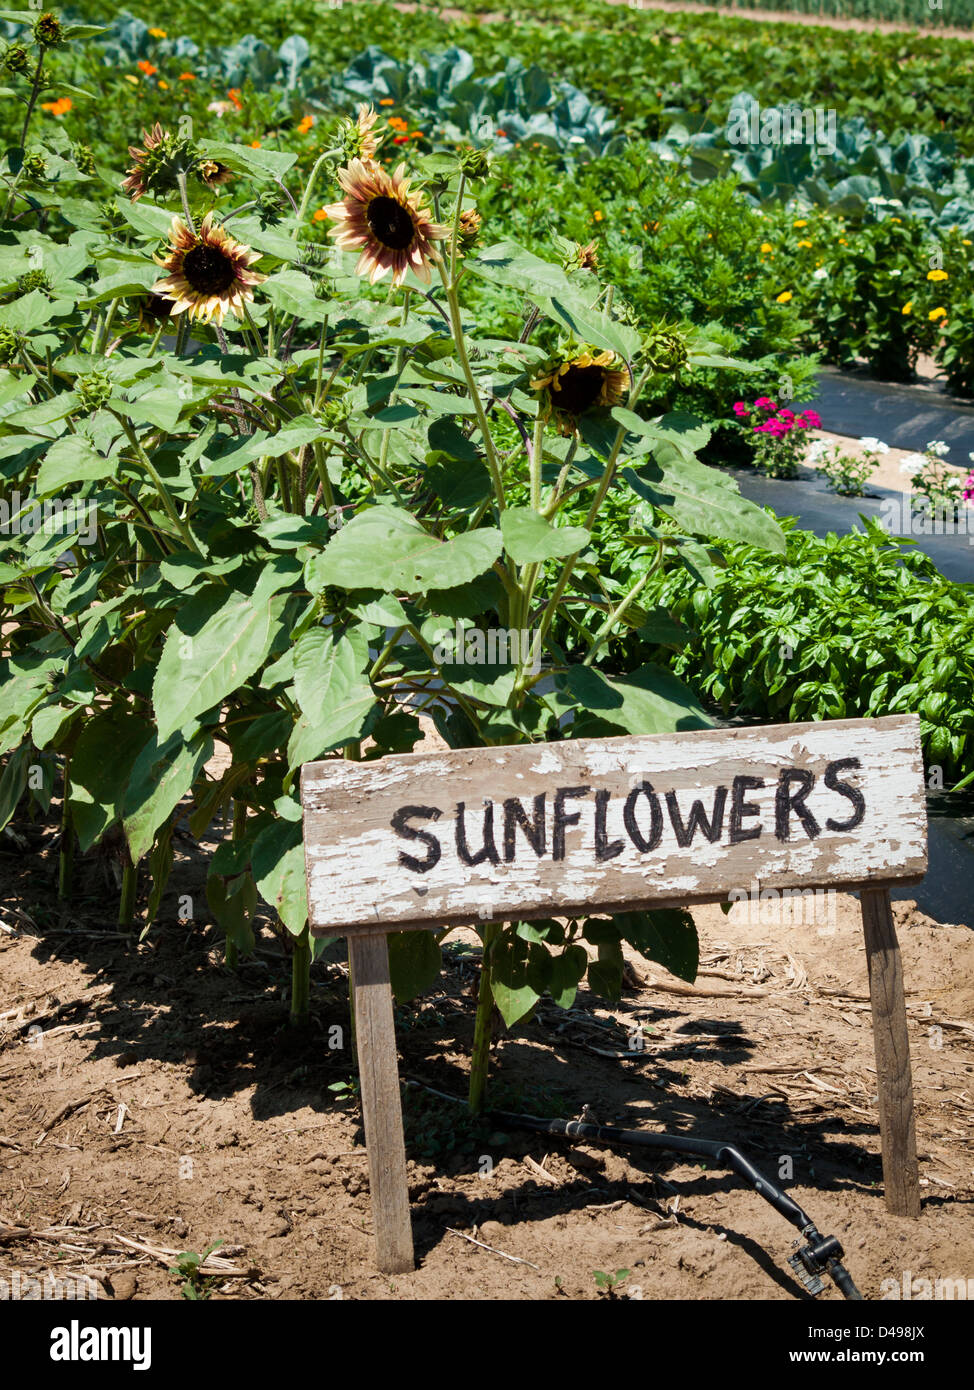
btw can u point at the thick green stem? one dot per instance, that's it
(130, 884)
(301, 981)
(480, 1058)
(65, 869)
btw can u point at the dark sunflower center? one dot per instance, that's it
(579, 388)
(208, 270)
(390, 223)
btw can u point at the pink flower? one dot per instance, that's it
(809, 420)
(740, 409)
(785, 414)
(969, 489)
(764, 403)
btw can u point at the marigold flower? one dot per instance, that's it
(145, 66)
(939, 313)
(305, 124)
(805, 245)
(907, 307)
(937, 275)
(802, 222)
(187, 77)
(783, 297)
(158, 33)
(766, 248)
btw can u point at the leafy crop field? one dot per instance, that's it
(368, 383)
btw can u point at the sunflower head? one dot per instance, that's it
(388, 224)
(469, 228)
(209, 272)
(213, 173)
(160, 161)
(583, 257)
(48, 31)
(357, 138)
(585, 381)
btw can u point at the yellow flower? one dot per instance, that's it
(842, 241)
(966, 243)
(766, 247)
(598, 216)
(130, 78)
(907, 307)
(807, 245)
(802, 222)
(938, 313)
(158, 33)
(163, 85)
(937, 275)
(784, 297)
(896, 219)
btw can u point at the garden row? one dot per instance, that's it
(287, 483)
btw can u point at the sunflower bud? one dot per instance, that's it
(160, 162)
(48, 31)
(475, 164)
(581, 257)
(16, 59)
(32, 280)
(331, 599)
(94, 390)
(665, 348)
(84, 158)
(334, 413)
(357, 138)
(35, 165)
(269, 207)
(9, 345)
(469, 228)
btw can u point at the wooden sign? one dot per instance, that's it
(554, 829)
(491, 834)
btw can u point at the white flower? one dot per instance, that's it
(938, 447)
(913, 464)
(873, 446)
(896, 272)
(817, 451)
(220, 108)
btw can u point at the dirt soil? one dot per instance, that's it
(153, 1101)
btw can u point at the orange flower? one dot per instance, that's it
(163, 85)
(145, 66)
(305, 124)
(57, 108)
(255, 144)
(187, 77)
(416, 135)
(234, 95)
(319, 216)
(386, 101)
(158, 33)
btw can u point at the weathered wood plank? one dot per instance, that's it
(901, 1179)
(488, 834)
(375, 1040)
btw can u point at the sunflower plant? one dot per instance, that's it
(254, 484)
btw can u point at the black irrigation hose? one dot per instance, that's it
(820, 1255)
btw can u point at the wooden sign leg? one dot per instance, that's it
(894, 1079)
(375, 1041)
